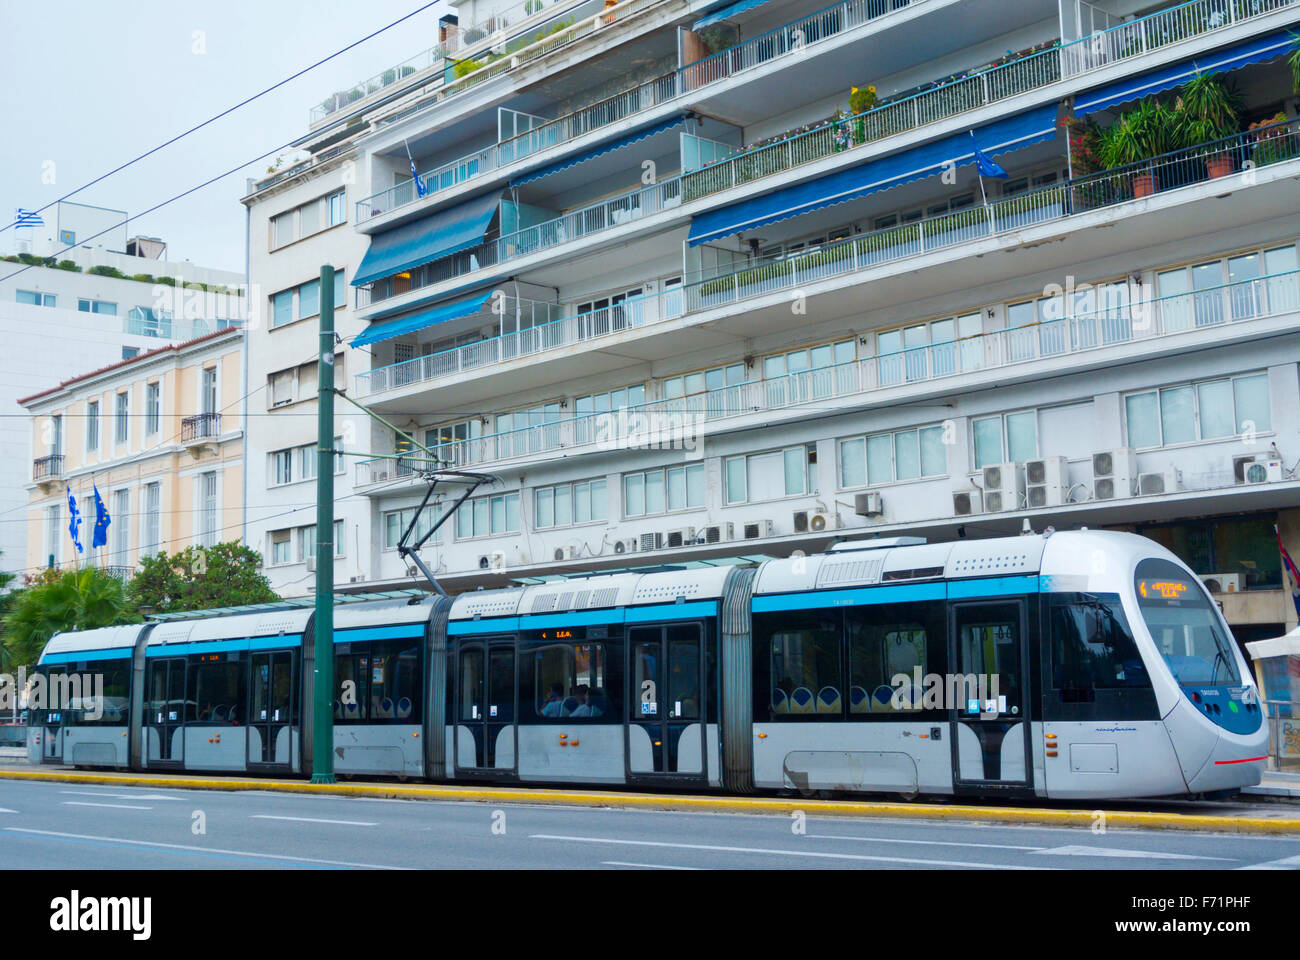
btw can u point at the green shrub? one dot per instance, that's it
(69, 265)
(105, 271)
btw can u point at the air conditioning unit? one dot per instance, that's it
(1262, 471)
(967, 502)
(1150, 484)
(625, 546)
(1047, 481)
(756, 531)
(651, 541)
(1004, 487)
(869, 504)
(682, 537)
(1222, 582)
(814, 521)
(1114, 473)
(566, 553)
(311, 564)
(720, 533)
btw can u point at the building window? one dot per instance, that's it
(1228, 288)
(770, 476)
(56, 434)
(340, 290)
(488, 516)
(282, 308)
(92, 426)
(312, 217)
(396, 522)
(935, 349)
(569, 503)
(307, 541)
(53, 529)
(97, 306)
(209, 390)
(130, 353)
(120, 527)
(701, 392)
(281, 547)
(208, 509)
(1008, 438)
(281, 467)
(121, 422)
(152, 408)
(1207, 410)
(337, 208)
(282, 231)
(150, 532)
(663, 491)
(35, 299)
(309, 299)
(1244, 547)
(890, 457)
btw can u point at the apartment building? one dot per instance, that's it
(698, 281)
(160, 435)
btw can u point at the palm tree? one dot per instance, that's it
(73, 600)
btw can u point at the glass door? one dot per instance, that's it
(165, 710)
(271, 708)
(486, 707)
(665, 730)
(989, 719)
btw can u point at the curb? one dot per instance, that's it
(700, 804)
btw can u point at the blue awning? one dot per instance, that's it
(429, 238)
(1002, 136)
(597, 151)
(1166, 78)
(726, 13)
(388, 329)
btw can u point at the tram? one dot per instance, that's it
(1081, 664)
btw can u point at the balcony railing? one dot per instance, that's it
(1263, 146)
(203, 426)
(1118, 319)
(928, 106)
(165, 327)
(47, 468)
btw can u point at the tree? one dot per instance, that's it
(7, 600)
(59, 601)
(200, 578)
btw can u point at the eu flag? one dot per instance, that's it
(987, 166)
(100, 537)
(74, 519)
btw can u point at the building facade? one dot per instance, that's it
(160, 436)
(694, 281)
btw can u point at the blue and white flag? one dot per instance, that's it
(74, 519)
(987, 166)
(100, 537)
(420, 188)
(28, 218)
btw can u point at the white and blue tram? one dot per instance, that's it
(1111, 673)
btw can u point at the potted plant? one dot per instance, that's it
(861, 99)
(1272, 143)
(1146, 132)
(1207, 111)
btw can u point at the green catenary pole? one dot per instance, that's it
(323, 727)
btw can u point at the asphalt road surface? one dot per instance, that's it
(78, 827)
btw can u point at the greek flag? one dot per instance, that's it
(74, 519)
(28, 218)
(1292, 573)
(420, 188)
(100, 537)
(987, 166)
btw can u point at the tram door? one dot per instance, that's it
(665, 701)
(990, 728)
(271, 699)
(165, 708)
(486, 738)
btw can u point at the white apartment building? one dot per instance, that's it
(686, 303)
(84, 312)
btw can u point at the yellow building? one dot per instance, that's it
(160, 435)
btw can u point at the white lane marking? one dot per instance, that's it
(346, 823)
(645, 866)
(936, 843)
(185, 846)
(817, 854)
(1287, 863)
(115, 806)
(1082, 851)
(117, 796)
(7, 810)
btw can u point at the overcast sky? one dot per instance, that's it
(91, 83)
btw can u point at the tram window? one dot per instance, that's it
(471, 685)
(351, 703)
(570, 682)
(72, 691)
(1092, 648)
(1185, 626)
(888, 640)
(805, 681)
(379, 682)
(216, 688)
(684, 672)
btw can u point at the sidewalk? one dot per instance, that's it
(1276, 785)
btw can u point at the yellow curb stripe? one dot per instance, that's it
(693, 803)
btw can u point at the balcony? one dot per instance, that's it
(947, 99)
(47, 469)
(200, 432)
(1265, 146)
(1118, 322)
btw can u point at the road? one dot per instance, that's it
(76, 826)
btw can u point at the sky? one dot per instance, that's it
(89, 84)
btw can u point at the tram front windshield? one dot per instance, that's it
(1185, 626)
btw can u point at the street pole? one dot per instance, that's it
(323, 728)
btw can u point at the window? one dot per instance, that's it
(396, 523)
(571, 683)
(488, 516)
(1241, 546)
(888, 457)
(119, 527)
(885, 641)
(308, 456)
(309, 299)
(216, 690)
(801, 656)
(281, 547)
(130, 353)
(152, 408)
(208, 388)
(1186, 628)
(1206, 410)
(307, 541)
(35, 299)
(568, 504)
(1228, 288)
(281, 308)
(590, 409)
(281, 467)
(378, 682)
(337, 210)
(452, 435)
(121, 423)
(1008, 438)
(663, 491)
(528, 431)
(56, 435)
(208, 509)
(281, 387)
(282, 230)
(92, 426)
(150, 532)
(939, 348)
(770, 476)
(97, 306)
(1092, 647)
(53, 529)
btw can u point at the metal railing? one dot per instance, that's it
(344, 98)
(47, 468)
(201, 426)
(1120, 321)
(166, 328)
(1263, 146)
